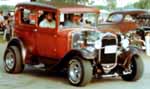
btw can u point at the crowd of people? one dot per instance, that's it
(144, 20)
(6, 24)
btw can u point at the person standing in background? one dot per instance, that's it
(1, 20)
(8, 23)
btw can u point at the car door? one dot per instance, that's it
(26, 27)
(45, 40)
(128, 23)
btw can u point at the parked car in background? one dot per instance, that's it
(125, 22)
(125, 19)
(79, 48)
(143, 32)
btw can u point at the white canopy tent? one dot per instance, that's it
(12, 2)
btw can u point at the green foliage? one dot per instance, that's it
(66, 1)
(1, 39)
(7, 8)
(111, 4)
(72, 1)
(142, 4)
(101, 7)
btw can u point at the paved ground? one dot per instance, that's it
(36, 79)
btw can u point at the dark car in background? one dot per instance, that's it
(127, 23)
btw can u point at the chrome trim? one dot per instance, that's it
(99, 57)
(88, 54)
(10, 60)
(70, 36)
(75, 71)
(110, 75)
(101, 38)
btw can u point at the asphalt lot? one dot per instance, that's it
(33, 78)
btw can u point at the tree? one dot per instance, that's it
(6, 8)
(66, 1)
(111, 4)
(142, 4)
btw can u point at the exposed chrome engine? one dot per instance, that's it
(85, 39)
(104, 48)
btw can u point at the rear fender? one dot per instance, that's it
(17, 42)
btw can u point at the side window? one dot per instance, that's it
(46, 19)
(115, 18)
(129, 18)
(28, 16)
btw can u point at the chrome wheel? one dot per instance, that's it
(80, 71)
(10, 59)
(75, 71)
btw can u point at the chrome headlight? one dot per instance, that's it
(125, 43)
(86, 39)
(98, 44)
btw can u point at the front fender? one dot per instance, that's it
(88, 53)
(133, 50)
(84, 53)
(128, 55)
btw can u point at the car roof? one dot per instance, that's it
(130, 12)
(62, 7)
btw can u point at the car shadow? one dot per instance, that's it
(45, 75)
(106, 80)
(62, 77)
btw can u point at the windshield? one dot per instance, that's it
(78, 19)
(115, 18)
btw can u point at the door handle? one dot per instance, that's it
(35, 30)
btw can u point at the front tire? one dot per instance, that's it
(12, 60)
(137, 68)
(80, 71)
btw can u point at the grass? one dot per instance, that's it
(1, 39)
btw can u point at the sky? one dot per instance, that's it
(11, 2)
(120, 3)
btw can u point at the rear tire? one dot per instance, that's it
(80, 71)
(13, 62)
(137, 68)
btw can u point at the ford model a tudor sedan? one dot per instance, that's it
(64, 37)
